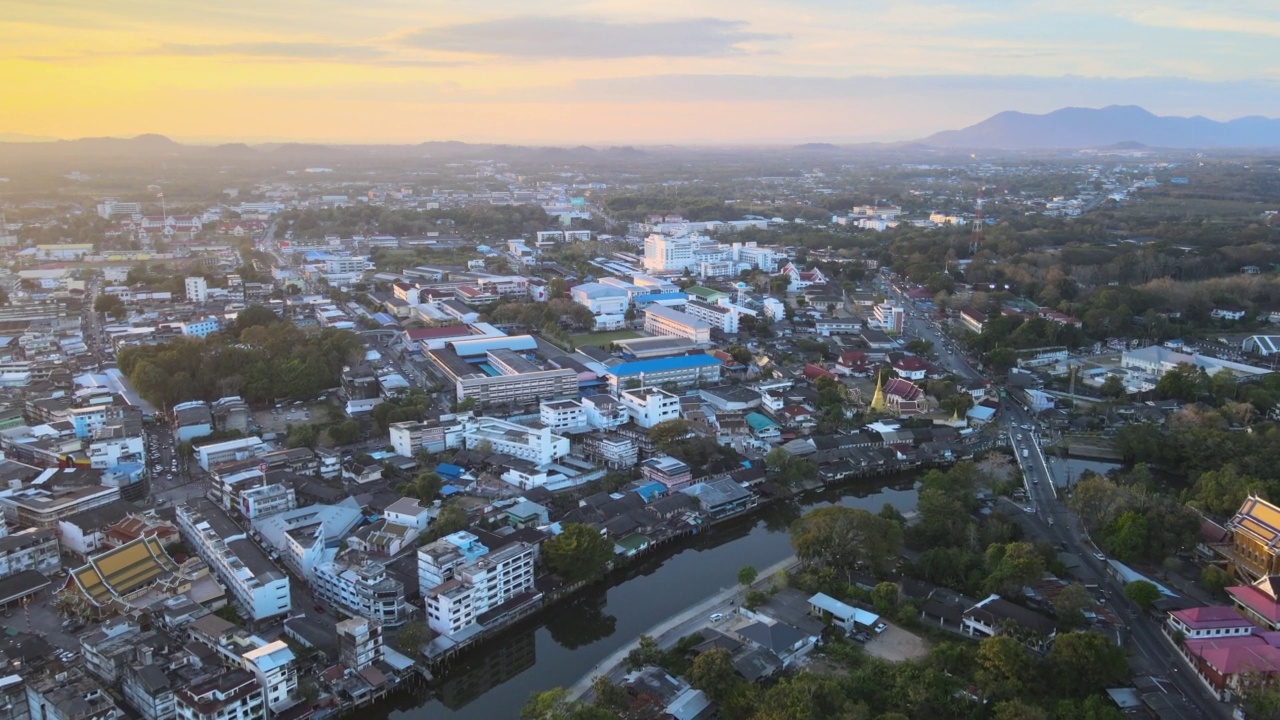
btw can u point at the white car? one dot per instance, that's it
(881, 627)
(1100, 557)
(717, 617)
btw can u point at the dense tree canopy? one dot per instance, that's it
(267, 363)
(845, 538)
(579, 553)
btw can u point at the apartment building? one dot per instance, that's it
(233, 695)
(563, 416)
(197, 289)
(361, 586)
(719, 317)
(255, 582)
(267, 500)
(465, 583)
(29, 550)
(359, 643)
(649, 406)
(661, 320)
(274, 667)
(69, 694)
(537, 445)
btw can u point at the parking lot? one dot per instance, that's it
(278, 419)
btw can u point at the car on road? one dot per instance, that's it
(1029, 510)
(319, 608)
(1100, 557)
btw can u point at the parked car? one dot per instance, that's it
(880, 627)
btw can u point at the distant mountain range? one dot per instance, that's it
(1112, 125)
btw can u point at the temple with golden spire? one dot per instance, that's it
(877, 400)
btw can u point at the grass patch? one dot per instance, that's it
(603, 338)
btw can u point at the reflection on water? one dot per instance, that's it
(565, 642)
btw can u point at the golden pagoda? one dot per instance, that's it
(877, 400)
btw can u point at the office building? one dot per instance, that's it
(890, 318)
(433, 436)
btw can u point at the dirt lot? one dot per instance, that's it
(896, 645)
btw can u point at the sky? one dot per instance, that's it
(615, 72)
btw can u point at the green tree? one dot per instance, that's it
(1142, 592)
(425, 487)
(1083, 663)
(1113, 387)
(110, 304)
(1073, 602)
(554, 704)
(451, 518)
(746, 575)
(844, 538)
(254, 315)
(714, 674)
(1018, 710)
(1001, 359)
(1215, 579)
(411, 637)
(608, 696)
(884, 597)
(578, 554)
(666, 433)
(788, 469)
(646, 652)
(1005, 669)
(345, 433)
(1013, 566)
(1222, 491)
(1128, 537)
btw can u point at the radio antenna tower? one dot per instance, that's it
(976, 242)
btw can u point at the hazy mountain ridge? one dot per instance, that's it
(1109, 126)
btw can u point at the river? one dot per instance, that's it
(563, 643)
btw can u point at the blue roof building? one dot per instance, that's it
(680, 370)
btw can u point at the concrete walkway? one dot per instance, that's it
(669, 631)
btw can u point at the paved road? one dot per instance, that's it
(669, 631)
(1151, 652)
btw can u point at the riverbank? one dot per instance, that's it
(669, 631)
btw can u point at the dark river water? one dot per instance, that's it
(561, 644)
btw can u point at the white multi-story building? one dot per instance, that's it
(433, 436)
(763, 258)
(110, 207)
(274, 666)
(719, 317)
(255, 582)
(601, 299)
(537, 445)
(667, 254)
(29, 550)
(890, 317)
(197, 289)
(360, 586)
(359, 643)
(238, 449)
(649, 406)
(604, 412)
(111, 452)
(461, 579)
(659, 320)
(233, 695)
(267, 500)
(563, 416)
